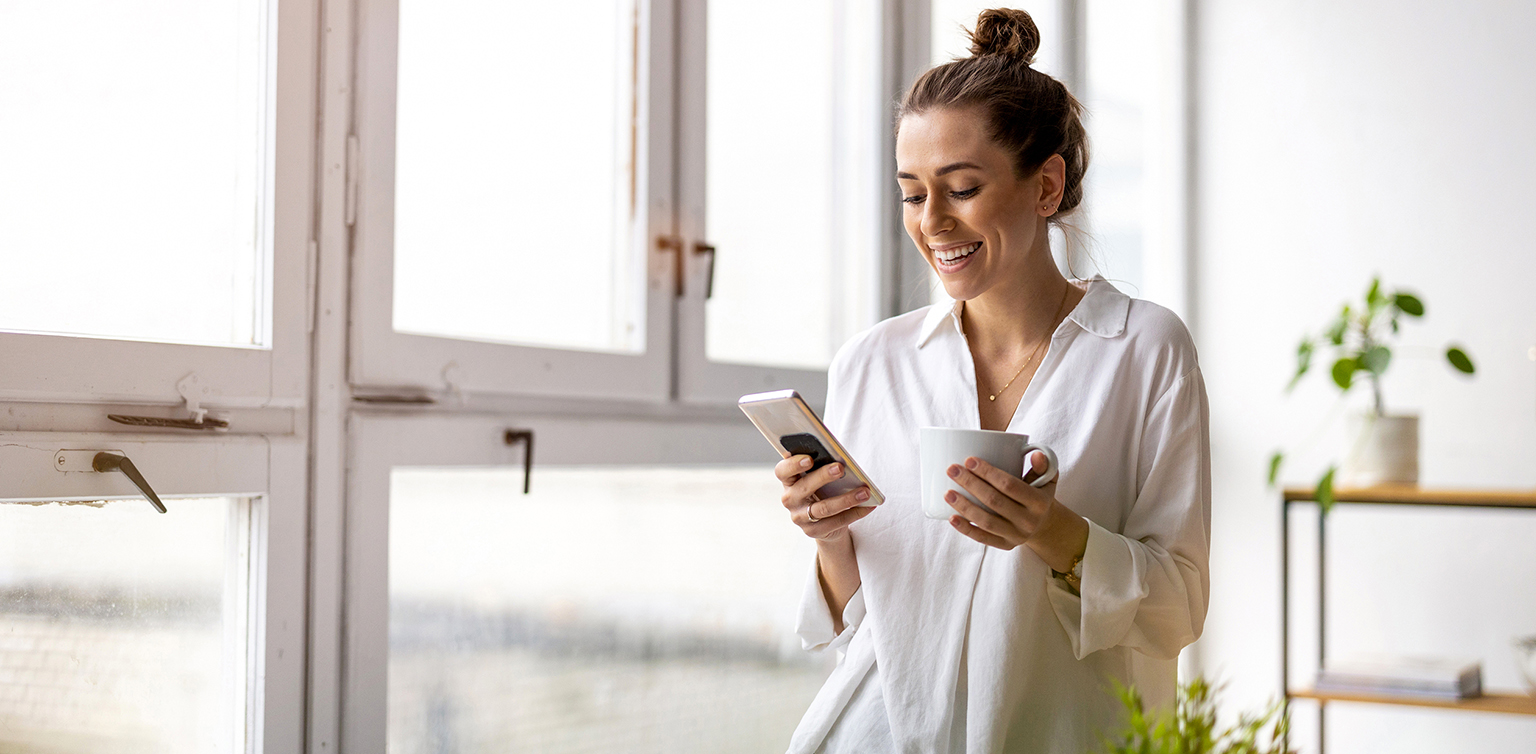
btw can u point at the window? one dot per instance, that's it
(159, 165)
(125, 629)
(1123, 61)
(509, 207)
(515, 193)
(635, 595)
(781, 190)
(142, 213)
(642, 608)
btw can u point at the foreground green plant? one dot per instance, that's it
(1360, 338)
(1191, 729)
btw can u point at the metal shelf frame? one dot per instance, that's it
(1395, 495)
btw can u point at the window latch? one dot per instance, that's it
(524, 436)
(192, 391)
(105, 461)
(700, 249)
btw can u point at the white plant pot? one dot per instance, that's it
(1381, 450)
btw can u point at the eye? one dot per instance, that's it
(914, 200)
(966, 194)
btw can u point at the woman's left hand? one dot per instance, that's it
(1019, 514)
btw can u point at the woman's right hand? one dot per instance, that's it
(825, 520)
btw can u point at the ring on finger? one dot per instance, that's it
(811, 517)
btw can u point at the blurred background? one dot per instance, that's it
(413, 249)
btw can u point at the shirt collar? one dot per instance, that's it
(1103, 312)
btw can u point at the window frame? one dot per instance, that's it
(389, 361)
(68, 369)
(700, 379)
(382, 440)
(269, 469)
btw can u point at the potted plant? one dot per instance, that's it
(1383, 448)
(1191, 728)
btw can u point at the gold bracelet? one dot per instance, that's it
(1073, 575)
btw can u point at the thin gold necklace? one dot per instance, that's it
(1035, 352)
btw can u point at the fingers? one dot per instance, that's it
(790, 469)
(831, 525)
(979, 517)
(997, 480)
(987, 538)
(825, 509)
(804, 489)
(1037, 466)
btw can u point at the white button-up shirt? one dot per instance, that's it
(953, 646)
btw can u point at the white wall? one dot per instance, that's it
(1339, 138)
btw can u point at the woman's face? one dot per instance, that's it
(972, 218)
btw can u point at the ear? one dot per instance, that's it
(1053, 181)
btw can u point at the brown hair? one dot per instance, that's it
(1028, 113)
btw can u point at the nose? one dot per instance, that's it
(936, 220)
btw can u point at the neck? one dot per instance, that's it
(1013, 319)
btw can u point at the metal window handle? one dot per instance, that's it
(701, 248)
(524, 436)
(114, 462)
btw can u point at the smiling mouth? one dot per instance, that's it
(951, 256)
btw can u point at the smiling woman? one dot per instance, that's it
(997, 632)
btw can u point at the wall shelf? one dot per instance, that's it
(1510, 703)
(1401, 495)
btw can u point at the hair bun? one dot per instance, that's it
(1005, 31)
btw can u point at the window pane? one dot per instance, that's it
(122, 629)
(793, 177)
(134, 146)
(614, 609)
(1123, 66)
(515, 174)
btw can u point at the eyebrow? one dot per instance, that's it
(947, 169)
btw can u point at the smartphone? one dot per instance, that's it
(793, 429)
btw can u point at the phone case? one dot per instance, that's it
(783, 414)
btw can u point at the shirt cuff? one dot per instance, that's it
(814, 624)
(1111, 591)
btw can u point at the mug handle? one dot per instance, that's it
(1050, 464)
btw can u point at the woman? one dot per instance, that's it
(1002, 630)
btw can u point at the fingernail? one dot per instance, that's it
(953, 470)
(837, 469)
(970, 463)
(805, 463)
(861, 495)
(949, 497)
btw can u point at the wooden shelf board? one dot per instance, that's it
(1510, 703)
(1409, 494)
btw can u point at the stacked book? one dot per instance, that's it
(1417, 677)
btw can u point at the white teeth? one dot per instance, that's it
(953, 254)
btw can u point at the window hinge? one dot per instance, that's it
(354, 157)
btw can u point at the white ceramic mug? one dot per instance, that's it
(940, 447)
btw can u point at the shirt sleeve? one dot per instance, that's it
(1147, 587)
(814, 624)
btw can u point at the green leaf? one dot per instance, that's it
(1303, 363)
(1373, 297)
(1324, 492)
(1460, 360)
(1344, 372)
(1376, 359)
(1408, 304)
(1335, 333)
(1274, 466)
